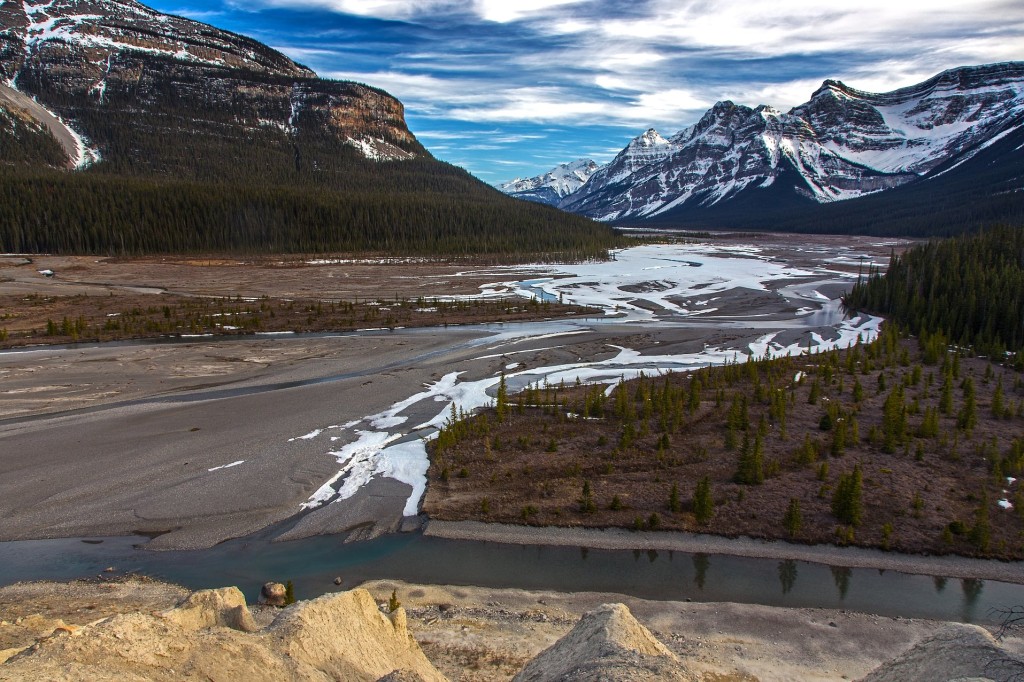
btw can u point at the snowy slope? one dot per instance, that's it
(841, 144)
(114, 50)
(550, 187)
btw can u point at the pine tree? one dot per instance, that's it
(501, 403)
(894, 420)
(793, 519)
(674, 505)
(703, 502)
(946, 394)
(846, 500)
(981, 531)
(750, 470)
(967, 418)
(997, 399)
(587, 504)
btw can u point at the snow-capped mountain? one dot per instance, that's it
(842, 144)
(87, 62)
(549, 188)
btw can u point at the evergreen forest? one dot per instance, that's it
(967, 290)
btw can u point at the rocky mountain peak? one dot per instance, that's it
(832, 88)
(88, 61)
(841, 144)
(550, 187)
(650, 138)
(97, 29)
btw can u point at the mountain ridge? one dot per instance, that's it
(841, 145)
(182, 137)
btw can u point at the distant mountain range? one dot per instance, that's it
(184, 137)
(553, 186)
(759, 167)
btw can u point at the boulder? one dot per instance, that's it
(346, 636)
(209, 636)
(273, 594)
(956, 652)
(225, 607)
(607, 644)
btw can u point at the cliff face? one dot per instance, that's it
(146, 90)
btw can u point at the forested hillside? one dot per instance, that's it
(968, 290)
(418, 206)
(195, 139)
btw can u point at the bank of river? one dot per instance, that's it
(653, 573)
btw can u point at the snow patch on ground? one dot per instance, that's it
(227, 466)
(378, 449)
(309, 436)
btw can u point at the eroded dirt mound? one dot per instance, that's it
(957, 652)
(607, 644)
(210, 636)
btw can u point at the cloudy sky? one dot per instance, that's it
(510, 88)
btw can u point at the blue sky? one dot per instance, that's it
(510, 88)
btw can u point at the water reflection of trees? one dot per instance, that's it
(787, 575)
(940, 583)
(841, 576)
(701, 562)
(972, 588)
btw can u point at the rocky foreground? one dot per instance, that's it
(144, 630)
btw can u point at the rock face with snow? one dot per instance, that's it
(99, 65)
(552, 186)
(842, 144)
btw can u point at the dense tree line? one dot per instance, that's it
(98, 213)
(968, 290)
(22, 142)
(884, 444)
(198, 160)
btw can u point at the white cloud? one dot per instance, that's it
(665, 105)
(795, 27)
(782, 96)
(539, 104)
(499, 11)
(504, 11)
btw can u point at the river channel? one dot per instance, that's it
(226, 467)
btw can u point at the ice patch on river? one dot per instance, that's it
(657, 275)
(384, 444)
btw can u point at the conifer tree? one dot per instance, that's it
(501, 403)
(981, 532)
(750, 470)
(587, 504)
(703, 502)
(846, 500)
(793, 519)
(674, 505)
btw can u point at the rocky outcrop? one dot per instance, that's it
(957, 652)
(100, 65)
(607, 644)
(211, 635)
